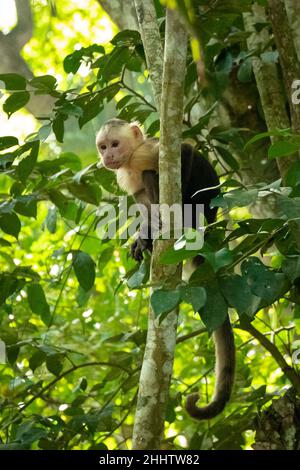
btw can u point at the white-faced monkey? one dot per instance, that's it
(125, 149)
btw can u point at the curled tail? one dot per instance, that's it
(225, 365)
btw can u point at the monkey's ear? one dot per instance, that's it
(137, 131)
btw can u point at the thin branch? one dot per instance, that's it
(198, 332)
(61, 376)
(138, 95)
(287, 370)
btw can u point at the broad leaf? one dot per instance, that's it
(164, 301)
(84, 268)
(38, 303)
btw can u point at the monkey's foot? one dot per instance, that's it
(138, 247)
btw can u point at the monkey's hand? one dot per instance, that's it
(139, 246)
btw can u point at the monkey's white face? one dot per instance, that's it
(116, 146)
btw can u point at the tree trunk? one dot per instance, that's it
(287, 55)
(12, 61)
(293, 12)
(161, 338)
(122, 12)
(278, 427)
(268, 82)
(152, 44)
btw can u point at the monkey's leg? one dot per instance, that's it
(149, 197)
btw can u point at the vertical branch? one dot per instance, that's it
(22, 32)
(268, 81)
(161, 338)
(287, 54)
(293, 12)
(152, 44)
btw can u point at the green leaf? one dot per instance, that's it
(123, 101)
(13, 81)
(87, 192)
(107, 180)
(26, 272)
(70, 160)
(7, 142)
(282, 148)
(38, 303)
(73, 61)
(202, 121)
(6, 160)
(36, 360)
(4, 242)
(291, 267)
(289, 207)
(55, 364)
(263, 135)
(58, 128)
(164, 301)
(293, 175)
(91, 109)
(10, 224)
(44, 82)
(15, 102)
(172, 256)
(140, 276)
(26, 165)
(82, 296)
(218, 259)
(84, 268)
(44, 132)
(26, 205)
(235, 198)
(245, 71)
(236, 291)
(215, 310)
(228, 158)
(127, 37)
(196, 296)
(80, 174)
(71, 109)
(51, 219)
(263, 282)
(8, 286)
(104, 257)
(116, 60)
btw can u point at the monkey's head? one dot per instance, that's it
(116, 141)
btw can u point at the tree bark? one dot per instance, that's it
(293, 12)
(268, 82)
(278, 426)
(122, 12)
(152, 44)
(12, 61)
(161, 338)
(287, 54)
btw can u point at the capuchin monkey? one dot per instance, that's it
(126, 150)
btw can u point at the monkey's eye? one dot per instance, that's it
(115, 143)
(102, 147)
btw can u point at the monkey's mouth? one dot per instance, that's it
(113, 165)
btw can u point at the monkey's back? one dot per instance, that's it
(198, 174)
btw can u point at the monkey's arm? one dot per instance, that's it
(149, 197)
